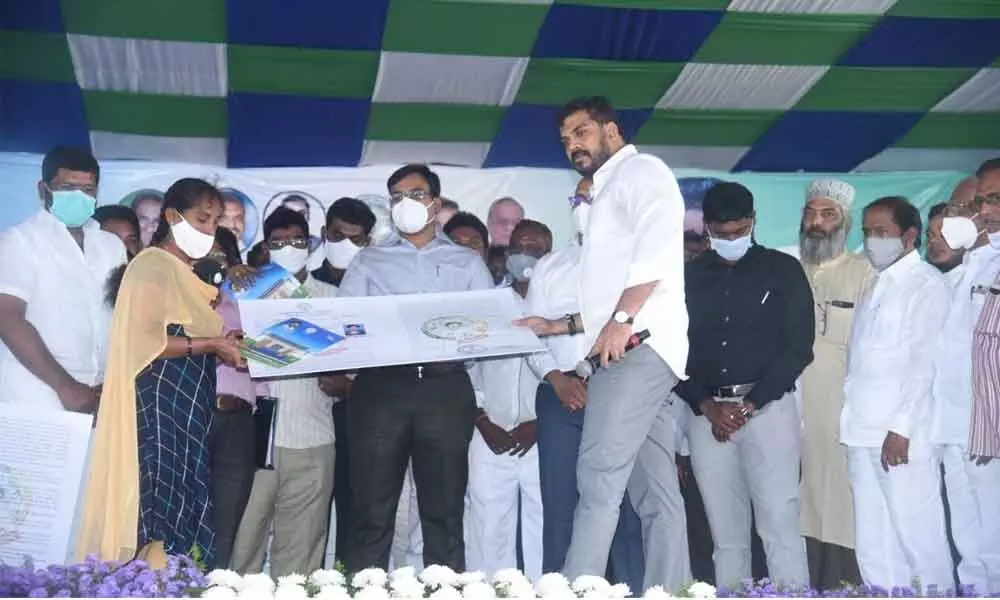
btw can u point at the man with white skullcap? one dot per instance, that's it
(837, 278)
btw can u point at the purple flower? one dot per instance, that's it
(38, 592)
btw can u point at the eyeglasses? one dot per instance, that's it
(578, 199)
(418, 195)
(300, 243)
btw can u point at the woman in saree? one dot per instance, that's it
(149, 489)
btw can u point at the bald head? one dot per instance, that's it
(962, 202)
(503, 216)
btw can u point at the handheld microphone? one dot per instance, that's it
(209, 271)
(588, 366)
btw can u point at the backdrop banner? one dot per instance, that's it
(252, 194)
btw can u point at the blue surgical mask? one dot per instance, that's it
(731, 250)
(72, 207)
(521, 266)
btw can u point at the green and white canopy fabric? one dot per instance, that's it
(761, 85)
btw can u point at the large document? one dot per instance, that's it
(43, 454)
(300, 336)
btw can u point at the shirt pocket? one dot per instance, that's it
(836, 323)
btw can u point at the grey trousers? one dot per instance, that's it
(294, 499)
(628, 443)
(758, 467)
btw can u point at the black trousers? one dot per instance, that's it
(341, 479)
(394, 417)
(232, 451)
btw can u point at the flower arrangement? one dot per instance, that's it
(182, 578)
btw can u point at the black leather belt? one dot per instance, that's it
(731, 391)
(421, 371)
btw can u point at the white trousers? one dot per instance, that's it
(975, 521)
(408, 540)
(899, 519)
(497, 483)
(757, 468)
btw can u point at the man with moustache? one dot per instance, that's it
(837, 278)
(631, 280)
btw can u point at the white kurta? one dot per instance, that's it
(63, 287)
(825, 495)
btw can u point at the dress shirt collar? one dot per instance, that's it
(603, 173)
(901, 267)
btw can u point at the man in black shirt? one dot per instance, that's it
(751, 335)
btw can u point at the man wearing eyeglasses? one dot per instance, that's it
(981, 467)
(293, 498)
(423, 412)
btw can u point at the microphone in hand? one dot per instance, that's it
(588, 366)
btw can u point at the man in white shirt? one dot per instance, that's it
(54, 323)
(503, 458)
(295, 495)
(632, 280)
(885, 424)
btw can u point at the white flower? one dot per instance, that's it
(700, 589)
(258, 582)
(478, 590)
(294, 579)
(219, 592)
(406, 587)
(619, 590)
(446, 592)
(553, 585)
(332, 592)
(226, 577)
(520, 589)
(372, 592)
(406, 572)
(371, 577)
(436, 575)
(257, 593)
(657, 593)
(587, 583)
(325, 577)
(290, 591)
(510, 577)
(595, 595)
(471, 577)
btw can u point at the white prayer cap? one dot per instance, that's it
(839, 191)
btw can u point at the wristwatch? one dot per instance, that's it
(623, 318)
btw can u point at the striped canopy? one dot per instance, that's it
(761, 85)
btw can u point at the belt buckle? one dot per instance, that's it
(219, 403)
(420, 372)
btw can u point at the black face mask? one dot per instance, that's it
(209, 271)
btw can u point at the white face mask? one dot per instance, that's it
(581, 215)
(191, 241)
(959, 233)
(883, 252)
(290, 258)
(410, 216)
(731, 250)
(340, 254)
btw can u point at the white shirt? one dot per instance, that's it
(890, 356)
(554, 292)
(505, 388)
(635, 235)
(63, 287)
(305, 412)
(953, 353)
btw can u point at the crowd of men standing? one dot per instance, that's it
(820, 394)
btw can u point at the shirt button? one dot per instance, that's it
(724, 343)
(724, 371)
(725, 292)
(725, 319)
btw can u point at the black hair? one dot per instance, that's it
(597, 107)
(989, 166)
(538, 226)
(449, 204)
(71, 159)
(181, 196)
(353, 211)
(727, 201)
(283, 218)
(257, 255)
(904, 215)
(467, 219)
(230, 247)
(117, 212)
(936, 210)
(432, 179)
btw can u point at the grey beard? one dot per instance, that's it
(815, 251)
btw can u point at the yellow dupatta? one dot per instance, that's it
(157, 289)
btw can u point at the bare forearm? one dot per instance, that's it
(562, 326)
(633, 298)
(26, 344)
(177, 346)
